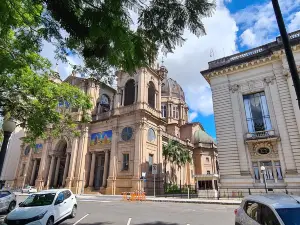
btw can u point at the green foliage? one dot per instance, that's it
(26, 93)
(100, 31)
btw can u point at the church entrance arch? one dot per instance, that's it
(59, 172)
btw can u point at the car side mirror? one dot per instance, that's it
(58, 201)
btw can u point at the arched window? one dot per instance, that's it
(151, 94)
(129, 92)
(104, 103)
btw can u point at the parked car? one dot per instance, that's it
(45, 208)
(268, 209)
(7, 201)
(29, 189)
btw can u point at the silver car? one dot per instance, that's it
(7, 201)
(269, 209)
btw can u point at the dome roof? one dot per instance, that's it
(170, 87)
(203, 137)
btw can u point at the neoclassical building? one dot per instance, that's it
(257, 117)
(123, 141)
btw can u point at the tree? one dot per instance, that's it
(183, 156)
(100, 32)
(27, 93)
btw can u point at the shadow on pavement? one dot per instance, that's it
(96, 223)
(158, 223)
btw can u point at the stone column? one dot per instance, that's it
(112, 161)
(81, 159)
(56, 171)
(72, 163)
(66, 169)
(105, 172)
(50, 172)
(33, 172)
(92, 170)
(44, 165)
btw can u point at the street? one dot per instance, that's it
(107, 210)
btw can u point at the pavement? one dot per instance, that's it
(112, 210)
(168, 199)
(104, 212)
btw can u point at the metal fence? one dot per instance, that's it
(191, 191)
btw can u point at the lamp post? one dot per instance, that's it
(288, 50)
(263, 169)
(8, 127)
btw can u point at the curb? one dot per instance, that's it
(193, 202)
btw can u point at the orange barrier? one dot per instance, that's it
(134, 196)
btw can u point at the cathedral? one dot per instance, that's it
(117, 150)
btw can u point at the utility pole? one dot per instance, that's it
(288, 49)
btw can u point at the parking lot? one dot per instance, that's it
(106, 210)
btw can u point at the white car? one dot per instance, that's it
(29, 189)
(44, 208)
(7, 201)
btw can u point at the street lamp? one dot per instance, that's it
(8, 127)
(288, 50)
(263, 170)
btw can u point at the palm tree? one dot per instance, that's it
(183, 157)
(170, 155)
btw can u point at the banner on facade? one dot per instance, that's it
(101, 138)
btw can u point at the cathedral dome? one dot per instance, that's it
(170, 87)
(200, 136)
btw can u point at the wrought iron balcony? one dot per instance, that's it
(260, 135)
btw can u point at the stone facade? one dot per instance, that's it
(124, 140)
(257, 117)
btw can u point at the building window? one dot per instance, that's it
(151, 95)
(278, 170)
(125, 162)
(208, 172)
(177, 112)
(257, 113)
(272, 170)
(150, 162)
(163, 111)
(269, 170)
(256, 171)
(207, 159)
(129, 93)
(104, 104)
(174, 111)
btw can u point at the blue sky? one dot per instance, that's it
(236, 25)
(255, 25)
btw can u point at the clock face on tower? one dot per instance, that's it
(126, 134)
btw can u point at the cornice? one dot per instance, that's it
(276, 55)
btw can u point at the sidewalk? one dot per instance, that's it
(169, 199)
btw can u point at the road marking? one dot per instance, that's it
(129, 220)
(93, 200)
(80, 219)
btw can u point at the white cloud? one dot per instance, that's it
(248, 38)
(295, 23)
(187, 61)
(258, 22)
(192, 116)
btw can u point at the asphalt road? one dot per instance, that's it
(113, 211)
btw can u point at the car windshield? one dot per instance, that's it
(290, 216)
(38, 200)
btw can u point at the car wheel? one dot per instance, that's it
(74, 211)
(50, 221)
(11, 207)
